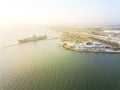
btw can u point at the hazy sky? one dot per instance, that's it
(59, 11)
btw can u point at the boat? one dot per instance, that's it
(32, 39)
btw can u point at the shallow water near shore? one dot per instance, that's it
(43, 65)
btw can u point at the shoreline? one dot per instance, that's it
(89, 51)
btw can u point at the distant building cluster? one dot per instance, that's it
(103, 41)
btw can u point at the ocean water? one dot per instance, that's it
(43, 65)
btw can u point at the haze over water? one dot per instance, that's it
(11, 34)
(43, 65)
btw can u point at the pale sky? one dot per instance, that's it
(59, 11)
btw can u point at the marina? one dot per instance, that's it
(95, 48)
(93, 41)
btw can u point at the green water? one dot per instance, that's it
(44, 66)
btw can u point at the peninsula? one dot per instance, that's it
(93, 39)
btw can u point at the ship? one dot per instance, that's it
(32, 39)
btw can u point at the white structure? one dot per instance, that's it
(93, 45)
(98, 45)
(111, 31)
(72, 44)
(86, 46)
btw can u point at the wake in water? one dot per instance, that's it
(12, 45)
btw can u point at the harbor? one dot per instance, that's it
(93, 40)
(42, 65)
(89, 47)
(59, 45)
